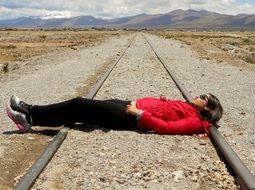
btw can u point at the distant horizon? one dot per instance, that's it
(51, 16)
(110, 9)
(177, 18)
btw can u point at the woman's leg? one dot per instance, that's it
(117, 118)
(107, 113)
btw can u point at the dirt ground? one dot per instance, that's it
(20, 46)
(221, 46)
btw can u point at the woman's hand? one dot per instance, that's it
(131, 109)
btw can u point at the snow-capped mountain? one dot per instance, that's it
(55, 15)
(176, 19)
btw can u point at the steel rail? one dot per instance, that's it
(246, 179)
(29, 178)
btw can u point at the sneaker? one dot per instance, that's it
(19, 105)
(19, 119)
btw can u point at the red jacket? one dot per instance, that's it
(174, 117)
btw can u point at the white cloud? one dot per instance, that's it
(116, 8)
(9, 13)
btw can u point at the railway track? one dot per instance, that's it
(245, 178)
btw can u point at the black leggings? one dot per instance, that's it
(106, 113)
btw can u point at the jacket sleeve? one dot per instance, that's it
(187, 126)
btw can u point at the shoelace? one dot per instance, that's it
(23, 104)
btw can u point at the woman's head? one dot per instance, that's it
(209, 106)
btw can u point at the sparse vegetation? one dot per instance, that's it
(6, 68)
(220, 46)
(250, 58)
(251, 48)
(234, 43)
(17, 45)
(246, 41)
(43, 37)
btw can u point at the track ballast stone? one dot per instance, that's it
(103, 159)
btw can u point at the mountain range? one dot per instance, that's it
(176, 19)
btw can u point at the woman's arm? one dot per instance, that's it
(186, 126)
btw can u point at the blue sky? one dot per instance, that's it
(247, 1)
(117, 8)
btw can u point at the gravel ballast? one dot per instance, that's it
(96, 158)
(234, 85)
(101, 159)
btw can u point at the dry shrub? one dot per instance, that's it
(169, 36)
(42, 37)
(6, 67)
(250, 58)
(246, 41)
(8, 46)
(234, 43)
(251, 48)
(11, 47)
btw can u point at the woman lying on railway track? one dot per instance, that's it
(160, 115)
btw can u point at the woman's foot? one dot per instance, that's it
(19, 105)
(19, 119)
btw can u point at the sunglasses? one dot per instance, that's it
(204, 97)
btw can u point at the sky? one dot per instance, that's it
(117, 8)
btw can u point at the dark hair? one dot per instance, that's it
(215, 109)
